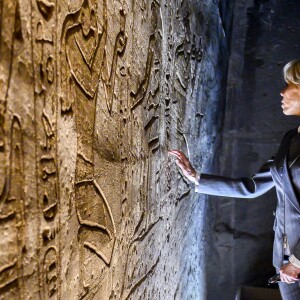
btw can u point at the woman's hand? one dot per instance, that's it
(184, 164)
(289, 273)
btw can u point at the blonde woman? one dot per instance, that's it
(282, 171)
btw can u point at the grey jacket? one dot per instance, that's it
(275, 172)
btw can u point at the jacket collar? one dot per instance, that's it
(283, 149)
(288, 187)
(282, 168)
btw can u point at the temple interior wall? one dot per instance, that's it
(93, 95)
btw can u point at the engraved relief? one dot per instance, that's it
(145, 104)
(43, 36)
(10, 36)
(101, 241)
(46, 8)
(187, 51)
(44, 49)
(12, 219)
(147, 98)
(83, 43)
(92, 94)
(12, 214)
(50, 69)
(141, 271)
(84, 67)
(147, 92)
(50, 273)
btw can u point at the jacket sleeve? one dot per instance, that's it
(294, 261)
(245, 187)
(295, 255)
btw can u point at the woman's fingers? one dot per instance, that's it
(175, 151)
(289, 273)
(178, 154)
(283, 278)
(180, 157)
(179, 163)
(286, 278)
(184, 164)
(289, 280)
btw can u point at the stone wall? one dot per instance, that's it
(93, 94)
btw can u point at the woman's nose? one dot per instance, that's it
(283, 91)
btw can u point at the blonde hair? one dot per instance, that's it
(291, 72)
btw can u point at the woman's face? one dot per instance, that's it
(291, 100)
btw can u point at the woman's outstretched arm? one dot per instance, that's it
(245, 187)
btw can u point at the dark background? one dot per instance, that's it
(263, 37)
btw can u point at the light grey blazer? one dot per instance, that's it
(275, 172)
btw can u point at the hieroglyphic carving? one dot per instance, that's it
(145, 106)
(12, 219)
(136, 275)
(102, 240)
(181, 74)
(84, 65)
(44, 20)
(46, 8)
(10, 36)
(146, 96)
(187, 51)
(147, 92)
(85, 59)
(50, 272)
(119, 87)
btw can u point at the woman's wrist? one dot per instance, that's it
(197, 178)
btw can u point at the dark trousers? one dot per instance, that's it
(290, 291)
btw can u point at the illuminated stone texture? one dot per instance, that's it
(93, 94)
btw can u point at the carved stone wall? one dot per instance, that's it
(93, 94)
